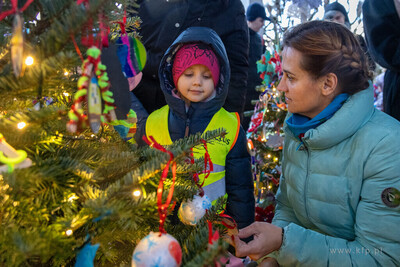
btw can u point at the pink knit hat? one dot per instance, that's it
(193, 54)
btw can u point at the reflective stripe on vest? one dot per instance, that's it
(214, 185)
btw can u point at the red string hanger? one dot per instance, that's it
(159, 249)
(208, 168)
(15, 9)
(191, 211)
(87, 38)
(163, 207)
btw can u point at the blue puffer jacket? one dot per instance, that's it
(239, 182)
(329, 200)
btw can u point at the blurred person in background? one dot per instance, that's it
(382, 30)
(256, 17)
(335, 12)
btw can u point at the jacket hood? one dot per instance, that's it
(177, 105)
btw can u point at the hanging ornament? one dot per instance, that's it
(12, 158)
(17, 46)
(132, 56)
(93, 88)
(126, 128)
(157, 249)
(86, 255)
(17, 39)
(231, 227)
(190, 212)
(94, 105)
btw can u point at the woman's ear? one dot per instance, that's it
(330, 84)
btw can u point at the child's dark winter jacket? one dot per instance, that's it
(239, 183)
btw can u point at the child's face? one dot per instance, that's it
(196, 83)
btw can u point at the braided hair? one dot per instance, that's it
(329, 47)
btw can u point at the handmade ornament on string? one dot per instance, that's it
(13, 159)
(17, 46)
(230, 225)
(159, 249)
(93, 88)
(17, 39)
(87, 253)
(191, 211)
(132, 56)
(126, 128)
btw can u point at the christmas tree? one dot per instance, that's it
(71, 194)
(265, 134)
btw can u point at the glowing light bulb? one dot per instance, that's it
(275, 159)
(269, 187)
(21, 125)
(269, 155)
(72, 198)
(66, 73)
(250, 144)
(66, 94)
(29, 61)
(68, 232)
(136, 193)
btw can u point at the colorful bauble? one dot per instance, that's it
(132, 55)
(190, 212)
(157, 250)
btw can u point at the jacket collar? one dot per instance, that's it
(354, 113)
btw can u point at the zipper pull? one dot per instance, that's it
(187, 127)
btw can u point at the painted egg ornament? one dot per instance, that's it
(190, 212)
(156, 250)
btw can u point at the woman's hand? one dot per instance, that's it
(266, 238)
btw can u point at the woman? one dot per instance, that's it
(340, 157)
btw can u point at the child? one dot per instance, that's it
(194, 75)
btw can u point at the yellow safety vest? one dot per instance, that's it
(214, 185)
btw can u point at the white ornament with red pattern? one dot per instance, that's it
(157, 250)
